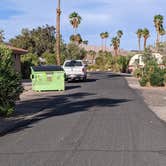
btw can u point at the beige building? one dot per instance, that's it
(17, 52)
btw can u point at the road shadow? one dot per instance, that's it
(70, 87)
(59, 106)
(89, 80)
(112, 75)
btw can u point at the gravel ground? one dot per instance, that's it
(153, 96)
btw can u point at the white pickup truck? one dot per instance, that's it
(75, 69)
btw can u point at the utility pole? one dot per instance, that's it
(58, 13)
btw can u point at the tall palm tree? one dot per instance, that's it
(58, 13)
(115, 44)
(75, 20)
(146, 35)
(119, 35)
(158, 22)
(102, 35)
(106, 35)
(139, 35)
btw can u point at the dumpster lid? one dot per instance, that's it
(47, 68)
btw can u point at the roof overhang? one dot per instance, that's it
(18, 51)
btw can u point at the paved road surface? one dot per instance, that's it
(98, 123)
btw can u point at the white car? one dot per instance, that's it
(75, 69)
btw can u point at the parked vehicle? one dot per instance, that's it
(75, 69)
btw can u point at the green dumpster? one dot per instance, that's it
(47, 78)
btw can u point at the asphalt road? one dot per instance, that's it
(101, 122)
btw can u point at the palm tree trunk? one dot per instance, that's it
(119, 47)
(158, 40)
(105, 44)
(139, 44)
(145, 43)
(58, 34)
(102, 44)
(116, 51)
(75, 31)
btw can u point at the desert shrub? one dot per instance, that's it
(151, 74)
(157, 78)
(10, 82)
(165, 78)
(103, 61)
(92, 67)
(122, 62)
(143, 81)
(164, 60)
(138, 73)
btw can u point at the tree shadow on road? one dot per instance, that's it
(59, 106)
(89, 80)
(118, 75)
(71, 87)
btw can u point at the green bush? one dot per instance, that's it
(50, 58)
(27, 61)
(10, 82)
(138, 73)
(165, 78)
(151, 73)
(143, 81)
(123, 63)
(157, 78)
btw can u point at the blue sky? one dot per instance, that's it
(98, 16)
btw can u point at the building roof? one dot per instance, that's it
(18, 51)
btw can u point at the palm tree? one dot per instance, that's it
(115, 44)
(75, 20)
(72, 38)
(139, 35)
(119, 35)
(146, 35)
(102, 35)
(76, 38)
(158, 22)
(58, 13)
(106, 35)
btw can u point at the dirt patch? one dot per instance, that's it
(155, 97)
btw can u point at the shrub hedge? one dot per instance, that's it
(10, 82)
